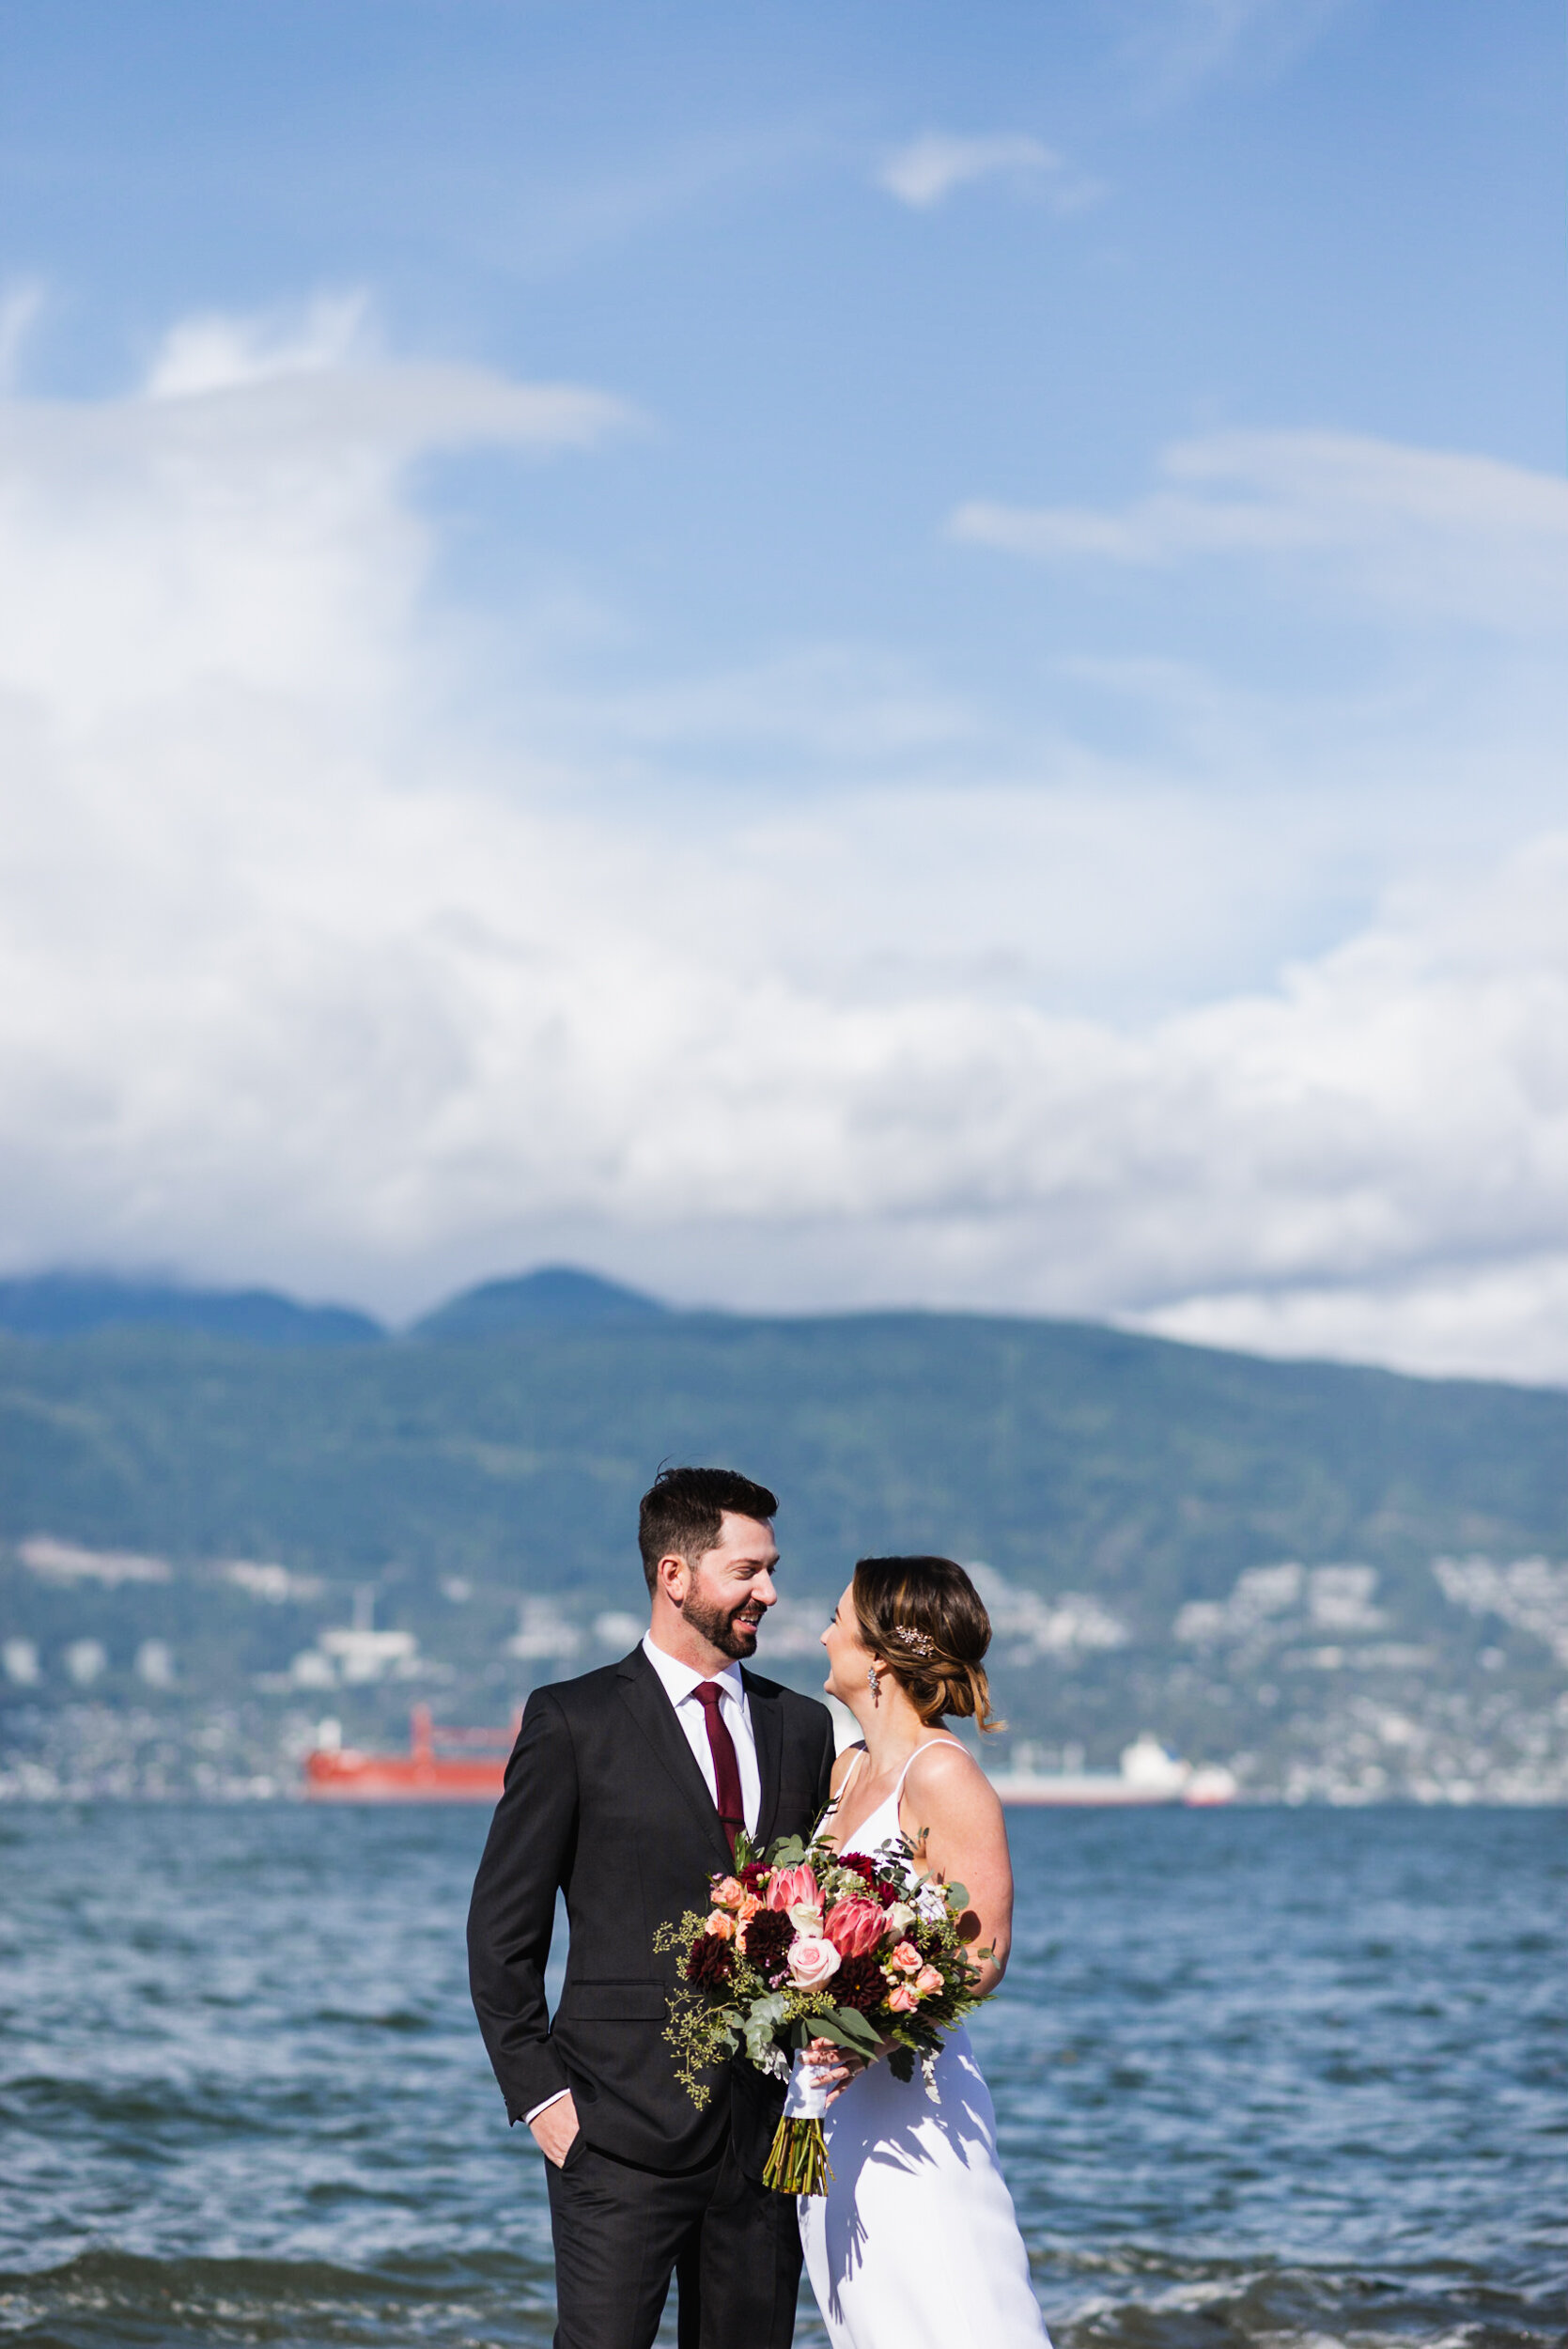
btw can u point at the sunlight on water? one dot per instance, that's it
(1261, 2077)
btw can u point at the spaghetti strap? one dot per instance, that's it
(873, 1824)
(836, 1801)
(898, 1789)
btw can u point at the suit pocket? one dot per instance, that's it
(614, 2002)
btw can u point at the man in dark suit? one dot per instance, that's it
(624, 1792)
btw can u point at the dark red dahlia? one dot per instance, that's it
(862, 1862)
(754, 1873)
(712, 1962)
(859, 1982)
(886, 1895)
(767, 1939)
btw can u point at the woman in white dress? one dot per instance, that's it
(915, 2245)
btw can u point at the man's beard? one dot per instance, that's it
(731, 1629)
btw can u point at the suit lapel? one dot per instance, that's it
(768, 1730)
(643, 1693)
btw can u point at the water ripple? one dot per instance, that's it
(1274, 2079)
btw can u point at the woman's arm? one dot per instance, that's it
(951, 1815)
(954, 1819)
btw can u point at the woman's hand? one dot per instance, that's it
(832, 2067)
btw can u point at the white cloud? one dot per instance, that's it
(1502, 1321)
(219, 352)
(302, 978)
(926, 172)
(1427, 532)
(239, 526)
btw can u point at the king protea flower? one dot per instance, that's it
(853, 1925)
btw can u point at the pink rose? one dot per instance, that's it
(728, 1892)
(928, 1982)
(907, 1958)
(854, 1926)
(793, 1888)
(812, 1960)
(903, 2001)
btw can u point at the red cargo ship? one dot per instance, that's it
(467, 1767)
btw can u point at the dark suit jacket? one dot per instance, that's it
(604, 1800)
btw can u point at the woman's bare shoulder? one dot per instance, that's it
(843, 1764)
(947, 1771)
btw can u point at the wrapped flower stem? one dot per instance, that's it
(798, 2163)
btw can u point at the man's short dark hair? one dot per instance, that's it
(682, 1510)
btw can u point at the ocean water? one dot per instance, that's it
(1272, 2078)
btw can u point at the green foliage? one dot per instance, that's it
(847, 2028)
(1066, 1456)
(765, 2017)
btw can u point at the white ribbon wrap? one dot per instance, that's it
(805, 2101)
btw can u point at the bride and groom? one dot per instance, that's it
(624, 1794)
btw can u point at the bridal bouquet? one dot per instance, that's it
(807, 1944)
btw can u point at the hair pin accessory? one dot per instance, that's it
(919, 1643)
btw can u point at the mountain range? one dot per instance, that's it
(1301, 1567)
(73, 1305)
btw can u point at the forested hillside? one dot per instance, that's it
(479, 1489)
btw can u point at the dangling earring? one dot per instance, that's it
(874, 1685)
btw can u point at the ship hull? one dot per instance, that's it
(391, 1777)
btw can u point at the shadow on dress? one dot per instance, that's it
(889, 2138)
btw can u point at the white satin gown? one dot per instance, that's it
(915, 2245)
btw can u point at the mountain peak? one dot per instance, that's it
(72, 1304)
(552, 1297)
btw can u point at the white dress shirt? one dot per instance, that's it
(679, 1680)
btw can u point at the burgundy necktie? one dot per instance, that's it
(726, 1769)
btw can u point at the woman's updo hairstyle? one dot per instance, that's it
(923, 1617)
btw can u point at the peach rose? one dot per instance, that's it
(907, 1958)
(903, 1999)
(721, 1926)
(728, 1892)
(928, 1982)
(853, 1925)
(812, 1960)
(749, 1906)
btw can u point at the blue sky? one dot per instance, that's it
(818, 656)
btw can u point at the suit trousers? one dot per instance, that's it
(621, 2233)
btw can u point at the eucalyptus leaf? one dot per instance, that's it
(823, 2027)
(853, 2030)
(759, 2044)
(959, 1896)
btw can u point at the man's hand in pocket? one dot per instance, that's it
(554, 2128)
